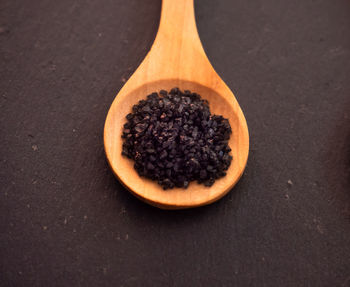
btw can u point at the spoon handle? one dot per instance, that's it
(177, 23)
(177, 50)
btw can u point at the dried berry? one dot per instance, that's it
(174, 139)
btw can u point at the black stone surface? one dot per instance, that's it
(66, 221)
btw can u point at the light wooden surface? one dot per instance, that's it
(176, 59)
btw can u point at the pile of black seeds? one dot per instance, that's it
(173, 139)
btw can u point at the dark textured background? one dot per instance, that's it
(66, 221)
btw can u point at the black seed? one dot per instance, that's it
(150, 166)
(163, 154)
(174, 139)
(163, 92)
(176, 167)
(209, 182)
(139, 128)
(203, 174)
(169, 165)
(166, 144)
(146, 109)
(174, 91)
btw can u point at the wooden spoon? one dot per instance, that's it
(176, 59)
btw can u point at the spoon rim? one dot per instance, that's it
(164, 202)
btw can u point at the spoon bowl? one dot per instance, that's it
(176, 59)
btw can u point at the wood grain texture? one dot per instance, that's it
(176, 59)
